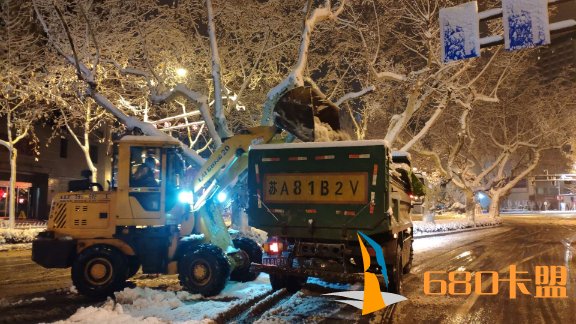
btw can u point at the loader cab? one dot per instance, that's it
(149, 172)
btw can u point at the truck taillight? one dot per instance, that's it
(273, 246)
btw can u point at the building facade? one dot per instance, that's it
(40, 177)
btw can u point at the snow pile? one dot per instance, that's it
(254, 234)
(11, 236)
(324, 133)
(446, 225)
(110, 312)
(158, 306)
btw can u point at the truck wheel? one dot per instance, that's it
(408, 266)
(291, 283)
(253, 252)
(133, 266)
(395, 274)
(204, 270)
(99, 271)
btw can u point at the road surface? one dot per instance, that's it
(29, 293)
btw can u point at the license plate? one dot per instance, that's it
(274, 261)
(302, 188)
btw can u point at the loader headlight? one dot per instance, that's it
(186, 197)
(221, 197)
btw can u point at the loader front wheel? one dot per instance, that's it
(204, 270)
(252, 253)
(99, 271)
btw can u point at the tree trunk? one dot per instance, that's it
(12, 189)
(223, 130)
(470, 205)
(239, 217)
(90, 164)
(495, 206)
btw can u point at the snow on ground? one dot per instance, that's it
(144, 304)
(459, 222)
(302, 308)
(15, 247)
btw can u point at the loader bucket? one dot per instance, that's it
(296, 109)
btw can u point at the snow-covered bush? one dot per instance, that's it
(10, 236)
(446, 225)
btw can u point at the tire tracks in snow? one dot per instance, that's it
(249, 310)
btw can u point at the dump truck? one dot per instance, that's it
(150, 219)
(312, 199)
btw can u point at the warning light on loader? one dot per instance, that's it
(186, 197)
(221, 197)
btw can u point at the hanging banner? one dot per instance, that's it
(525, 23)
(460, 32)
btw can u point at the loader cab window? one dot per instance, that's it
(175, 168)
(145, 166)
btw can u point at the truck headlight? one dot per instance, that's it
(186, 197)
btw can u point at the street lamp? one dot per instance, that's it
(181, 72)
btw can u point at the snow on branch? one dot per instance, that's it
(132, 123)
(565, 24)
(296, 77)
(352, 95)
(86, 76)
(391, 76)
(216, 76)
(181, 89)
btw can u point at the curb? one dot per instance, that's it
(455, 231)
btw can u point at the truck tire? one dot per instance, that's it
(291, 283)
(395, 273)
(204, 270)
(133, 266)
(254, 253)
(408, 266)
(99, 271)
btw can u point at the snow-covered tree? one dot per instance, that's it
(495, 145)
(20, 84)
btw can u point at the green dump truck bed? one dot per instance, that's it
(322, 190)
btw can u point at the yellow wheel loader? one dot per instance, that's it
(150, 220)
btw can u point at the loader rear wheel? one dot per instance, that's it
(252, 253)
(99, 271)
(204, 270)
(291, 283)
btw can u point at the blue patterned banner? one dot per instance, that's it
(525, 23)
(460, 32)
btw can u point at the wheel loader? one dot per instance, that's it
(151, 220)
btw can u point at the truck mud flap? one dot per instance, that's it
(53, 253)
(324, 275)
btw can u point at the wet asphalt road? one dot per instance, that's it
(521, 241)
